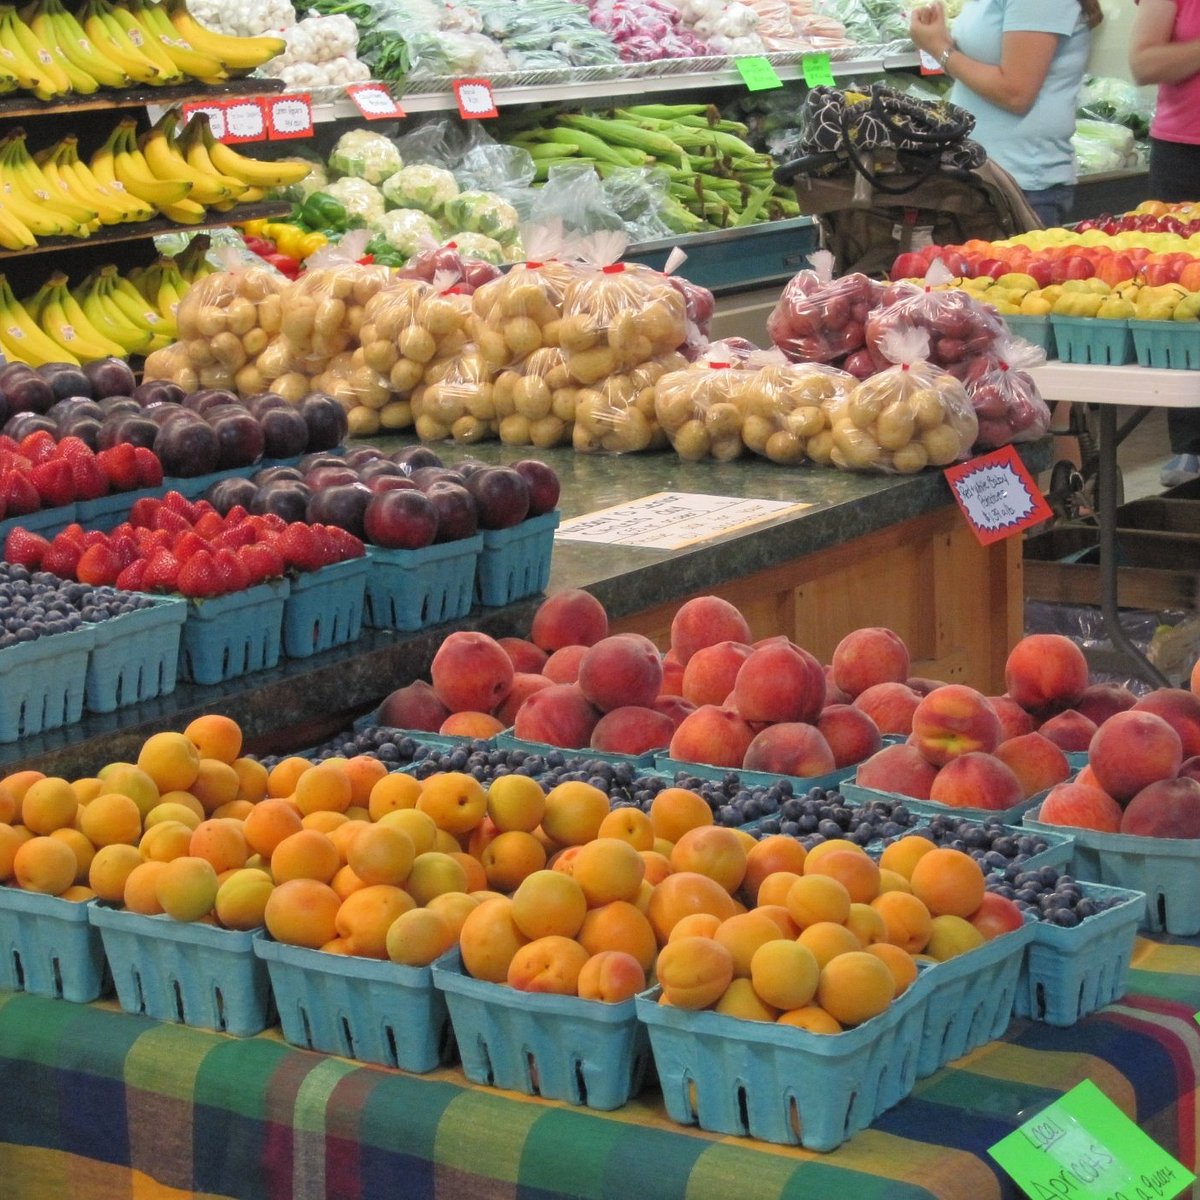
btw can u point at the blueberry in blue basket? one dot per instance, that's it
(1048, 895)
(39, 604)
(989, 842)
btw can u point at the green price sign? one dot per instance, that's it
(817, 70)
(758, 74)
(1083, 1147)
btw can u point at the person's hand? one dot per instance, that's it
(927, 28)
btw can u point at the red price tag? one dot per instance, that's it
(997, 495)
(213, 111)
(929, 65)
(374, 101)
(289, 117)
(475, 99)
(245, 120)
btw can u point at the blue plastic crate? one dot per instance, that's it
(515, 562)
(378, 1012)
(1009, 816)
(233, 635)
(1171, 344)
(185, 971)
(46, 521)
(43, 682)
(49, 948)
(411, 589)
(325, 608)
(1092, 340)
(135, 656)
(507, 740)
(779, 1083)
(1069, 973)
(1033, 329)
(585, 1052)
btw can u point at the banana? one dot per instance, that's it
(120, 156)
(63, 183)
(22, 338)
(166, 161)
(153, 18)
(57, 326)
(171, 289)
(191, 144)
(8, 78)
(72, 59)
(27, 178)
(234, 53)
(31, 62)
(183, 212)
(100, 63)
(117, 56)
(109, 319)
(86, 184)
(251, 171)
(14, 233)
(130, 35)
(131, 302)
(74, 313)
(41, 54)
(39, 217)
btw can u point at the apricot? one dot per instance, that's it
(784, 973)
(857, 873)
(416, 937)
(434, 873)
(110, 818)
(611, 976)
(364, 917)
(241, 899)
(44, 864)
(109, 869)
(950, 936)
(675, 810)
(221, 841)
(684, 892)
(489, 939)
(83, 850)
(694, 972)
(776, 852)
(811, 1017)
(171, 760)
(140, 894)
(899, 962)
(215, 736)
(854, 987)
(548, 965)
(302, 912)
(712, 850)
(742, 934)
(740, 1000)
(547, 902)
(574, 812)
(907, 922)
(187, 888)
(814, 898)
(948, 882)
(308, 854)
(49, 804)
(381, 854)
(268, 823)
(511, 857)
(455, 801)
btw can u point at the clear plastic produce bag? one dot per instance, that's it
(535, 400)
(1005, 397)
(455, 399)
(521, 312)
(824, 320)
(616, 413)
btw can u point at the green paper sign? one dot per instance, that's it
(817, 70)
(758, 74)
(1083, 1147)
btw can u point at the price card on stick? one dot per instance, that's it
(475, 99)
(997, 495)
(245, 121)
(374, 101)
(1083, 1147)
(289, 116)
(213, 111)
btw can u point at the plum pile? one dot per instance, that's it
(1048, 894)
(37, 604)
(994, 847)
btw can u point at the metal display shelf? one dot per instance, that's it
(12, 107)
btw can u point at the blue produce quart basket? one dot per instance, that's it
(1165, 870)
(1092, 340)
(1069, 973)
(1033, 329)
(46, 521)
(1009, 816)
(194, 486)
(1059, 845)
(515, 562)
(584, 1052)
(665, 765)
(43, 683)
(186, 972)
(779, 1083)
(970, 998)
(363, 1008)
(325, 608)
(135, 656)
(48, 947)
(411, 589)
(1171, 344)
(233, 635)
(507, 740)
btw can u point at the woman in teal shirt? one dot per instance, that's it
(1017, 66)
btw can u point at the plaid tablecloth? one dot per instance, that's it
(96, 1104)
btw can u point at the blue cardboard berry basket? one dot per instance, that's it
(515, 562)
(779, 1083)
(1092, 340)
(411, 589)
(363, 1008)
(46, 521)
(107, 512)
(48, 947)
(666, 765)
(233, 635)
(585, 1052)
(324, 608)
(184, 971)
(43, 683)
(194, 486)
(1171, 344)
(1033, 329)
(135, 656)
(1010, 816)
(1069, 973)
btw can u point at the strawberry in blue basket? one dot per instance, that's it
(54, 482)
(231, 575)
(25, 548)
(38, 447)
(98, 565)
(131, 577)
(173, 522)
(143, 511)
(198, 576)
(299, 547)
(120, 466)
(61, 557)
(150, 471)
(162, 572)
(262, 561)
(18, 495)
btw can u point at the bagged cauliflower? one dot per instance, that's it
(408, 231)
(365, 155)
(362, 202)
(482, 212)
(420, 186)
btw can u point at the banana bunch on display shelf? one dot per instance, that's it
(51, 52)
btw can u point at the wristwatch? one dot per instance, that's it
(944, 57)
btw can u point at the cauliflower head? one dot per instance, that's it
(477, 245)
(483, 212)
(408, 231)
(362, 202)
(365, 155)
(420, 186)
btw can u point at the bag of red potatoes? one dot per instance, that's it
(1004, 395)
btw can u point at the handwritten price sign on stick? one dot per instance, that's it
(290, 117)
(374, 101)
(997, 495)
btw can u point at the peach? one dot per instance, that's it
(526, 658)
(704, 621)
(1069, 730)
(467, 724)
(791, 748)
(1194, 678)
(712, 672)
(1167, 808)
(923, 685)
(1190, 768)
(1014, 720)
(414, 706)
(1045, 670)
(672, 683)
(833, 693)
(996, 915)
(1180, 709)
(1103, 700)
(631, 729)
(1131, 750)
(566, 618)
(563, 665)
(611, 976)
(548, 965)
(865, 657)
(779, 682)
(1035, 760)
(1082, 806)
(890, 706)
(900, 768)
(560, 715)
(470, 672)
(694, 972)
(954, 720)
(850, 734)
(619, 670)
(713, 735)
(523, 686)
(675, 707)
(976, 780)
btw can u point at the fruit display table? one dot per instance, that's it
(113, 1104)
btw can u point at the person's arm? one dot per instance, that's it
(1013, 85)
(1153, 57)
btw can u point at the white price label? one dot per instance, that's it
(374, 101)
(215, 114)
(244, 121)
(291, 117)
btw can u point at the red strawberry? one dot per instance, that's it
(170, 520)
(348, 545)
(150, 540)
(119, 464)
(272, 522)
(177, 502)
(61, 558)
(143, 511)
(8, 445)
(54, 482)
(162, 572)
(231, 574)
(202, 507)
(232, 537)
(327, 550)
(19, 494)
(125, 529)
(94, 537)
(150, 472)
(263, 562)
(209, 525)
(25, 548)
(38, 447)
(124, 547)
(236, 515)
(187, 543)
(130, 578)
(74, 534)
(75, 449)
(298, 545)
(90, 481)
(198, 576)
(98, 564)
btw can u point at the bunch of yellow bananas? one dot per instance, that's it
(51, 52)
(33, 206)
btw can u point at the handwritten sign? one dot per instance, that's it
(374, 101)
(215, 113)
(672, 520)
(1083, 1147)
(475, 99)
(245, 121)
(997, 495)
(758, 74)
(816, 70)
(289, 117)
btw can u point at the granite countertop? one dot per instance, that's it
(314, 697)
